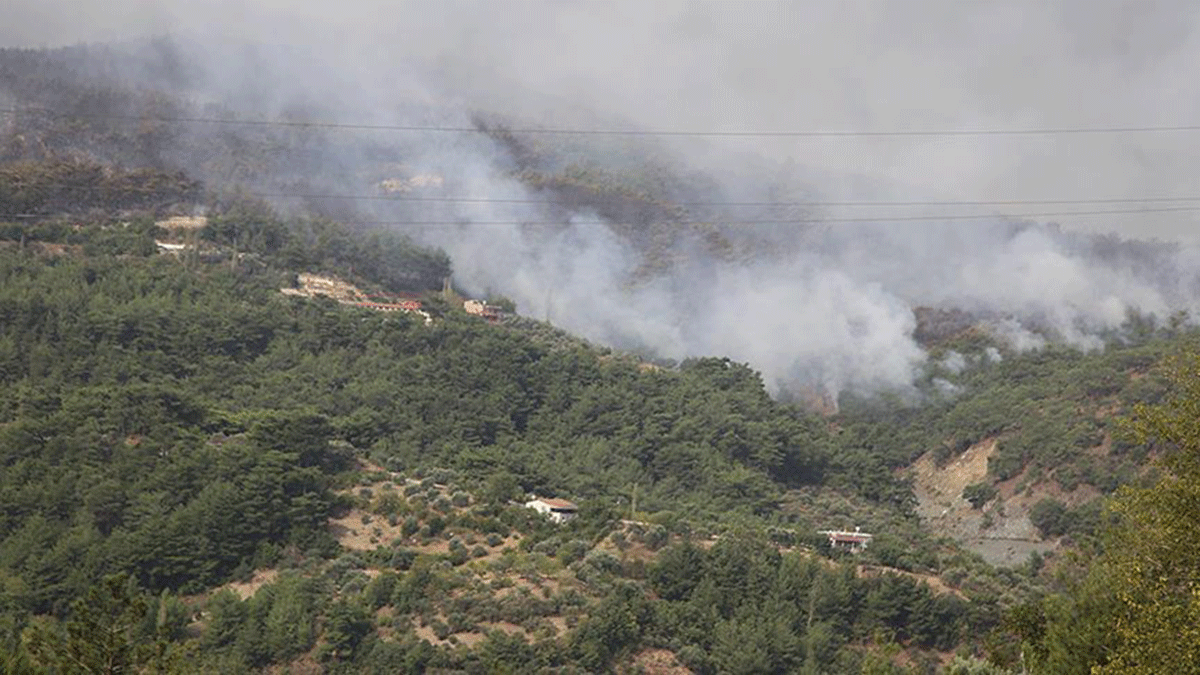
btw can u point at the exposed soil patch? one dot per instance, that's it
(1001, 531)
(468, 639)
(504, 627)
(246, 589)
(351, 532)
(305, 665)
(559, 623)
(658, 662)
(935, 583)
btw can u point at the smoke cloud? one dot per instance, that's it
(827, 305)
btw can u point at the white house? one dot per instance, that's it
(167, 247)
(848, 541)
(557, 510)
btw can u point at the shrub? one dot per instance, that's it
(389, 504)
(548, 547)
(694, 657)
(979, 494)
(656, 538)
(604, 561)
(355, 583)
(410, 526)
(1049, 516)
(436, 525)
(571, 551)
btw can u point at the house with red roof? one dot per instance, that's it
(847, 541)
(557, 510)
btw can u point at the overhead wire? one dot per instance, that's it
(404, 198)
(798, 221)
(740, 222)
(719, 204)
(564, 131)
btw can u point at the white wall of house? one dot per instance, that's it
(555, 513)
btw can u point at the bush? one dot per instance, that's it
(655, 538)
(604, 561)
(1052, 518)
(548, 547)
(389, 504)
(410, 526)
(1049, 516)
(403, 558)
(979, 494)
(571, 551)
(694, 657)
(436, 525)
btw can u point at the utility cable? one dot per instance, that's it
(562, 131)
(404, 198)
(736, 222)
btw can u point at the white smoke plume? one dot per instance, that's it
(827, 305)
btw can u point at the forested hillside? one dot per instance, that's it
(180, 423)
(184, 425)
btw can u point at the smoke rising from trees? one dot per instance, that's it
(824, 304)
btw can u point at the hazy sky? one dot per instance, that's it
(759, 65)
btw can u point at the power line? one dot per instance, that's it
(798, 221)
(561, 131)
(1168, 199)
(735, 222)
(992, 202)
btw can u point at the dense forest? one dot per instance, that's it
(184, 425)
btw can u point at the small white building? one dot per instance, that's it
(557, 510)
(168, 247)
(847, 541)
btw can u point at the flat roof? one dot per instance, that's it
(557, 503)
